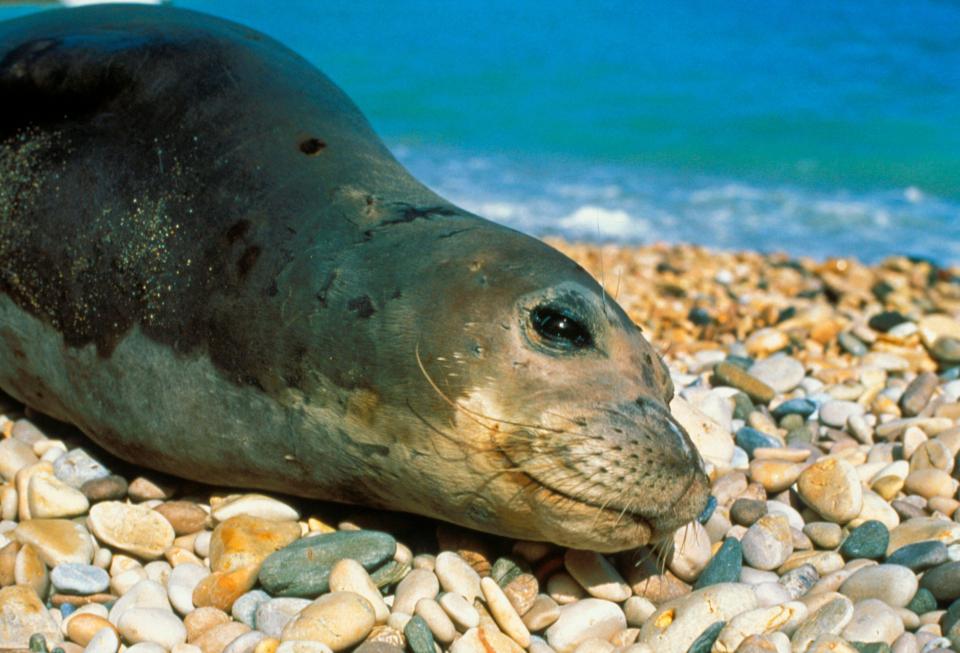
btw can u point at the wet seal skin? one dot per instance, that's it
(211, 265)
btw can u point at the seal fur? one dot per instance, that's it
(212, 266)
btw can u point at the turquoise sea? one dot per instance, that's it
(820, 128)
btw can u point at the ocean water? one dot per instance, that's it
(817, 128)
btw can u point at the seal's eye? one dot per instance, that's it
(560, 328)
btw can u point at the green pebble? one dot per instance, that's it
(800, 435)
(868, 540)
(419, 637)
(38, 643)
(792, 421)
(504, 570)
(742, 406)
(724, 567)
(871, 647)
(704, 643)
(923, 602)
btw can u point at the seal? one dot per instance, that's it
(213, 267)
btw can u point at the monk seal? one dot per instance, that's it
(213, 267)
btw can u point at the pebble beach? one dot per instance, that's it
(824, 397)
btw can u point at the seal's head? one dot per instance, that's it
(557, 401)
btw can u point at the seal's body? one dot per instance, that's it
(211, 265)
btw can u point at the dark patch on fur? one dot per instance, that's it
(362, 305)
(312, 146)
(248, 259)
(237, 231)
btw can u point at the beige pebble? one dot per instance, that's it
(691, 553)
(542, 614)
(203, 619)
(831, 487)
(106, 640)
(597, 576)
(418, 584)
(455, 575)
(131, 528)
(83, 627)
(349, 576)
(254, 505)
(931, 483)
(155, 625)
(586, 619)
(563, 589)
(919, 529)
(462, 613)
(503, 612)
(893, 584)
(29, 570)
(759, 621)
(437, 620)
(216, 639)
(339, 619)
(775, 475)
(50, 498)
(485, 639)
(873, 621)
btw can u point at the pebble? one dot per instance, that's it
(767, 543)
(217, 638)
(943, 581)
(419, 636)
(596, 575)
(106, 640)
(731, 375)
(825, 535)
(831, 487)
(750, 439)
(58, 541)
(418, 584)
(245, 643)
(837, 413)
(349, 576)
(50, 498)
(273, 616)
(829, 619)
(439, 622)
(504, 613)
(780, 372)
(921, 529)
(76, 467)
(678, 623)
(185, 516)
(107, 488)
(917, 395)
(919, 556)
(587, 619)
(873, 621)
(182, 582)
(303, 567)
(747, 511)
(131, 528)
(254, 505)
(22, 615)
(72, 578)
(244, 609)
(14, 456)
(486, 640)
(151, 625)
(465, 616)
(339, 619)
(244, 541)
(868, 540)
(893, 584)
(455, 575)
(759, 621)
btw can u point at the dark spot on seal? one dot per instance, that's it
(325, 288)
(248, 259)
(362, 305)
(237, 230)
(312, 146)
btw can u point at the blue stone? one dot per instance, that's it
(705, 642)
(920, 556)
(749, 439)
(708, 510)
(724, 567)
(803, 407)
(868, 540)
(73, 578)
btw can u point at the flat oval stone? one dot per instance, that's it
(303, 567)
(152, 625)
(419, 636)
(768, 543)
(217, 638)
(832, 488)
(50, 498)
(596, 575)
(244, 609)
(418, 584)
(781, 372)
(14, 456)
(757, 622)
(583, 620)
(185, 516)
(504, 613)
(691, 554)
(836, 413)
(339, 619)
(829, 619)
(455, 575)
(873, 621)
(801, 406)
(131, 528)
(545, 611)
(749, 439)
(729, 374)
(943, 581)
(182, 582)
(58, 541)
(255, 505)
(145, 594)
(892, 584)
(76, 467)
(724, 567)
(72, 578)
(245, 540)
(273, 616)
(349, 576)
(677, 624)
(919, 556)
(868, 540)
(23, 615)
(824, 534)
(919, 529)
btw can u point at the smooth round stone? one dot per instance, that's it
(131, 528)
(775, 475)
(757, 622)
(485, 639)
(933, 454)
(747, 511)
(824, 534)
(14, 456)
(152, 625)
(873, 621)
(931, 483)
(244, 541)
(920, 556)
(107, 640)
(729, 374)
(637, 610)
(349, 576)
(339, 619)
(418, 584)
(781, 372)
(76, 467)
(185, 516)
(504, 613)
(917, 395)
(182, 582)
(439, 622)
(217, 638)
(587, 619)
(50, 498)
(300, 646)
(892, 584)
(712, 440)
(419, 636)
(596, 575)
(770, 594)
(691, 554)
(303, 567)
(121, 582)
(749, 439)
(764, 342)
(724, 567)
(465, 616)
(244, 609)
(145, 594)
(922, 602)
(677, 624)
(919, 529)
(946, 350)
(82, 628)
(797, 582)
(868, 540)
(768, 543)
(832, 488)
(72, 578)
(23, 615)
(254, 505)
(107, 488)
(943, 581)
(801, 406)
(245, 643)
(273, 616)
(829, 619)
(836, 413)
(455, 575)
(58, 541)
